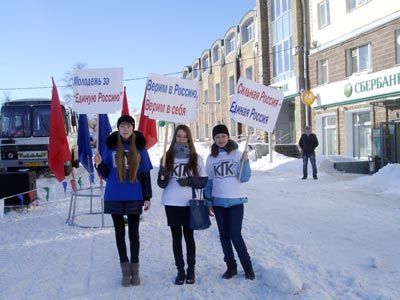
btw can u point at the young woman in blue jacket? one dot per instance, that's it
(125, 165)
(226, 196)
(184, 171)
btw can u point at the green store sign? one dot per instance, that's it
(372, 84)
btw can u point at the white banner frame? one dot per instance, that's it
(97, 91)
(171, 99)
(256, 105)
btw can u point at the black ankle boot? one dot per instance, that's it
(248, 271)
(180, 278)
(231, 271)
(190, 275)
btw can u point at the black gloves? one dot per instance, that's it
(163, 177)
(195, 182)
(185, 181)
(163, 173)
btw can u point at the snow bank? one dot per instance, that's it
(387, 178)
(283, 279)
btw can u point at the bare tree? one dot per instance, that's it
(6, 96)
(69, 81)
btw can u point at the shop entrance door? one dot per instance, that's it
(361, 135)
(390, 142)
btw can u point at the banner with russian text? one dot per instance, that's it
(97, 91)
(171, 99)
(256, 105)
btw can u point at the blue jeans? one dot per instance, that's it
(310, 156)
(229, 221)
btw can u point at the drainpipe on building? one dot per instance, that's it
(305, 51)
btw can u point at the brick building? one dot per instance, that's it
(355, 74)
(259, 48)
(347, 52)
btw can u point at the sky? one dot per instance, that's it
(44, 38)
(335, 238)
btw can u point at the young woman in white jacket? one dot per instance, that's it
(226, 196)
(183, 173)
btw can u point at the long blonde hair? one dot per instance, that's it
(133, 157)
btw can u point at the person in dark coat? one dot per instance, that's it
(125, 165)
(308, 142)
(183, 171)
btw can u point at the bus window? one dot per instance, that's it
(41, 120)
(16, 122)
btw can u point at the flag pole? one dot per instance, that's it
(97, 136)
(245, 149)
(165, 146)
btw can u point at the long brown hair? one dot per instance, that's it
(170, 155)
(133, 157)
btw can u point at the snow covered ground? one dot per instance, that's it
(333, 238)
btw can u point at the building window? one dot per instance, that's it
(279, 7)
(249, 73)
(358, 59)
(197, 131)
(216, 54)
(231, 85)
(352, 4)
(205, 100)
(323, 14)
(186, 74)
(212, 117)
(204, 63)
(397, 46)
(322, 71)
(217, 92)
(195, 71)
(233, 129)
(230, 44)
(248, 31)
(283, 64)
(329, 135)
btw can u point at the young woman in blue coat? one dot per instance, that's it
(125, 164)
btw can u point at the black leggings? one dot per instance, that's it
(176, 232)
(133, 231)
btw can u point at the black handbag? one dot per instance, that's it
(199, 218)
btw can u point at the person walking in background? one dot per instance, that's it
(183, 172)
(308, 142)
(226, 196)
(126, 165)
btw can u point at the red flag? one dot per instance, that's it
(125, 109)
(147, 127)
(59, 152)
(72, 181)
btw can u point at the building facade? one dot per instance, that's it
(347, 52)
(355, 75)
(259, 48)
(217, 70)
